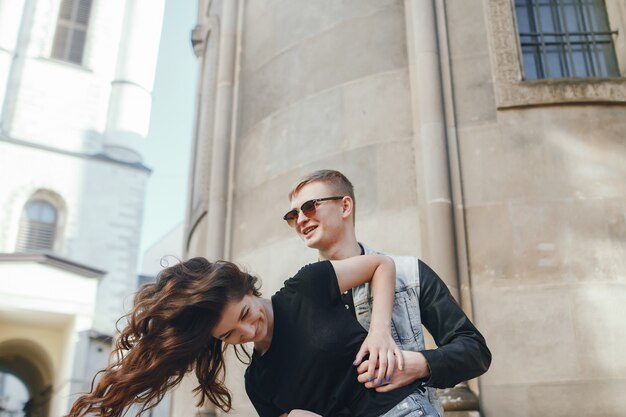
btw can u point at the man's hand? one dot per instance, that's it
(415, 367)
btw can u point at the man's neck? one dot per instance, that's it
(339, 252)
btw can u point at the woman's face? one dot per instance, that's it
(243, 321)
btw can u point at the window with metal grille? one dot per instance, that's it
(37, 227)
(71, 32)
(565, 38)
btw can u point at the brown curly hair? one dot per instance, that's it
(167, 335)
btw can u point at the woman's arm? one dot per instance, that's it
(380, 271)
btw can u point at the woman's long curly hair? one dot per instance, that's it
(168, 334)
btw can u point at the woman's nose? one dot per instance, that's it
(247, 332)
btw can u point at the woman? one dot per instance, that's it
(305, 343)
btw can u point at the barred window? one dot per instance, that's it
(37, 227)
(565, 38)
(71, 32)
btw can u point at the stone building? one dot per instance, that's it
(76, 79)
(486, 137)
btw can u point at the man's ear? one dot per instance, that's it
(347, 205)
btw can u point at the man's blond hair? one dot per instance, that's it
(340, 184)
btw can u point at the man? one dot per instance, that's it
(322, 214)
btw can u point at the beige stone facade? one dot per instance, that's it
(514, 191)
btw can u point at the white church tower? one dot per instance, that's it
(76, 81)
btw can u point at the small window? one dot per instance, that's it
(71, 32)
(565, 38)
(38, 227)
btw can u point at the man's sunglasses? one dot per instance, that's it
(308, 208)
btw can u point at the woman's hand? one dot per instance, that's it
(415, 367)
(384, 354)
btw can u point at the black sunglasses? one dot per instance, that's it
(308, 208)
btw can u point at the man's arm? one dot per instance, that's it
(462, 352)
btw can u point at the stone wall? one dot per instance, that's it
(523, 216)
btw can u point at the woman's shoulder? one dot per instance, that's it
(311, 279)
(313, 269)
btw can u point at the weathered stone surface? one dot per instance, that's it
(541, 221)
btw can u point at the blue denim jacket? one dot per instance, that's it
(406, 323)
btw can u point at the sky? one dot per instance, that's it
(169, 139)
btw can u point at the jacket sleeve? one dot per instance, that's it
(462, 352)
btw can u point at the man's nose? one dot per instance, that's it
(301, 217)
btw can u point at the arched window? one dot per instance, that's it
(38, 227)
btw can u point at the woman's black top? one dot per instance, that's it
(309, 363)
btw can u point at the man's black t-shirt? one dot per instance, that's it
(309, 363)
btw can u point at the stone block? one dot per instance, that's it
(305, 131)
(332, 58)
(510, 400)
(474, 98)
(529, 156)
(531, 243)
(527, 329)
(392, 231)
(466, 40)
(591, 398)
(461, 414)
(600, 332)
(376, 109)
(489, 232)
(275, 26)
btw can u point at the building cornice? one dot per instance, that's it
(99, 156)
(101, 337)
(54, 261)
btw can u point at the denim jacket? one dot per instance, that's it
(406, 323)
(422, 298)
